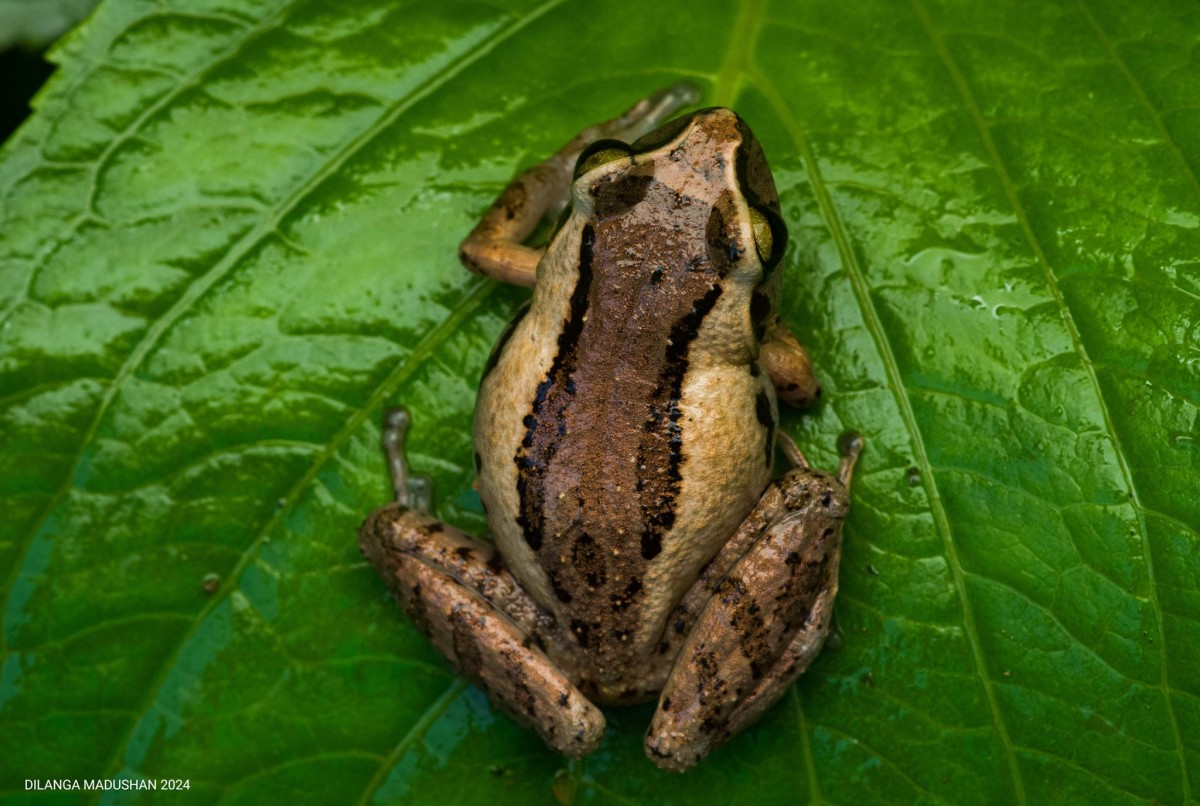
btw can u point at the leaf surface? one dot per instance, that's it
(227, 242)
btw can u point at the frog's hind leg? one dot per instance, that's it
(475, 615)
(473, 610)
(495, 249)
(764, 611)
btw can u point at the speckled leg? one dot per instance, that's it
(458, 594)
(764, 608)
(789, 367)
(494, 248)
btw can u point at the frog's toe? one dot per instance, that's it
(675, 750)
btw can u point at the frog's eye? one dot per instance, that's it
(770, 236)
(600, 152)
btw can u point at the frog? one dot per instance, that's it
(642, 547)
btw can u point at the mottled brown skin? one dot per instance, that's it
(625, 430)
(626, 424)
(458, 594)
(778, 593)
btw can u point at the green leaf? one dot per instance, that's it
(228, 242)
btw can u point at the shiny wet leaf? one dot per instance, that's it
(227, 242)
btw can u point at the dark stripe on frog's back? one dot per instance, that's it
(600, 464)
(505, 335)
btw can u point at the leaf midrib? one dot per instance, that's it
(739, 63)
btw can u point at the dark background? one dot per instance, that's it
(23, 72)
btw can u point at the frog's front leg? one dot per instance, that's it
(761, 611)
(461, 597)
(789, 367)
(495, 249)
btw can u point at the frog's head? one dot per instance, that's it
(698, 185)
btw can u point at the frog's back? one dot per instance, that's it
(624, 428)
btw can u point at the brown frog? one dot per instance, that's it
(625, 432)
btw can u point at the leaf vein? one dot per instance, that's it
(418, 729)
(875, 328)
(1073, 638)
(810, 763)
(981, 124)
(899, 768)
(476, 293)
(130, 132)
(1075, 766)
(297, 761)
(203, 284)
(1140, 92)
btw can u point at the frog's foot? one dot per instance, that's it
(458, 594)
(764, 609)
(411, 491)
(789, 367)
(643, 117)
